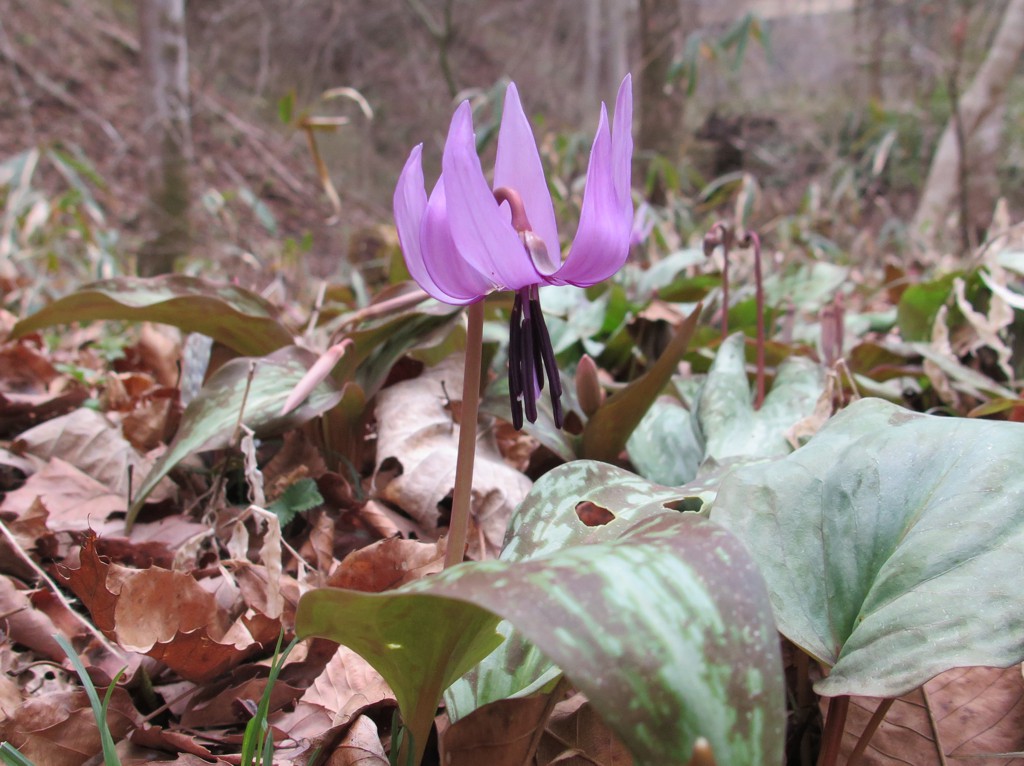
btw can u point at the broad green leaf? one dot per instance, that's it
(918, 306)
(666, 446)
(667, 630)
(892, 544)
(546, 522)
(210, 420)
(731, 426)
(231, 315)
(608, 429)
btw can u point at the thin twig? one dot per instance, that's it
(865, 738)
(116, 651)
(542, 721)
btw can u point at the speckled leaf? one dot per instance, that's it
(892, 544)
(607, 430)
(667, 630)
(546, 522)
(232, 315)
(667, 446)
(731, 426)
(210, 419)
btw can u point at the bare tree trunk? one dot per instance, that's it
(593, 39)
(661, 24)
(981, 104)
(166, 128)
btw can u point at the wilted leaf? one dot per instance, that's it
(26, 625)
(347, 687)
(498, 734)
(387, 564)
(603, 613)
(166, 615)
(59, 729)
(232, 315)
(416, 430)
(87, 440)
(575, 727)
(360, 747)
(73, 500)
(891, 544)
(961, 714)
(210, 420)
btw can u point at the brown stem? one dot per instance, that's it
(869, 731)
(832, 737)
(458, 529)
(752, 240)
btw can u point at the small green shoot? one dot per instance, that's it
(258, 741)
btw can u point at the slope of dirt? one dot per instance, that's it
(69, 75)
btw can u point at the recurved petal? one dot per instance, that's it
(622, 144)
(606, 220)
(452, 273)
(482, 232)
(518, 166)
(410, 204)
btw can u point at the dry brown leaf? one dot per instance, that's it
(234, 704)
(153, 420)
(91, 443)
(59, 729)
(347, 686)
(360, 747)
(387, 564)
(976, 710)
(26, 625)
(574, 729)
(158, 738)
(73, 500)
(498, 734)
(166, 615)
(159, 349)
(417, 431)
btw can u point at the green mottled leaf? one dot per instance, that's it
(608, 429)
(231, 315)
(731, 426)
(667, 630)
(666, 446)
(210, 420)
(892, 544)
(546, 522)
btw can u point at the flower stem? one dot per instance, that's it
(458, 529)
(754, 241)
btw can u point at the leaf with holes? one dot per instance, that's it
(210, 420)
(732, 428)
(666, 629)
(892, 544)
(554, 516)
(231, 315)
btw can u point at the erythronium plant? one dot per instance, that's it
(722, 235)
(470, 238)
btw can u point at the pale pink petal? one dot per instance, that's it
(410, 204)
(518, 166)
(601, 244)
(482, 232)
(454, 276)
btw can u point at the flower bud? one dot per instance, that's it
(588, 387)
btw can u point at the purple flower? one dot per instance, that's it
(468, 239)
